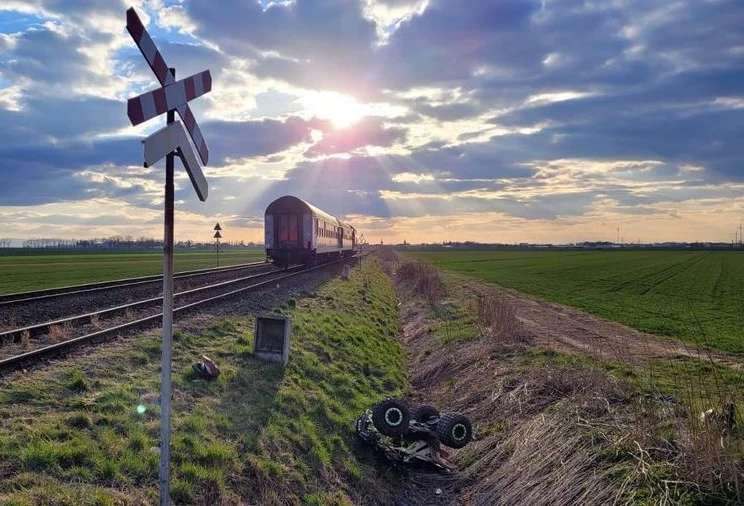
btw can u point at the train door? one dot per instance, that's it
(307, 231)
(287, 230)
(340, 236)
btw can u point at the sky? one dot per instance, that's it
(550, 121)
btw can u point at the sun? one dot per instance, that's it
(341, 110)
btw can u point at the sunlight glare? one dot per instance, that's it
(341, 110)
(316, 135)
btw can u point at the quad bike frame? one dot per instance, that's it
(417, 434)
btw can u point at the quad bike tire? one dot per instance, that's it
(423, 413)
(391, 417)
(454, 430)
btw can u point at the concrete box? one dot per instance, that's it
(271, 338)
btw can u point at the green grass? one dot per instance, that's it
(259, 434)
(27, 272)
(697, 296)
(656, 410)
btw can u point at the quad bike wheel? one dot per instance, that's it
(391, 417)
(454, 430)
(424, 413)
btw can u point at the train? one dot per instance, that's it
(297, 232)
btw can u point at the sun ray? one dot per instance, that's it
(341, 110)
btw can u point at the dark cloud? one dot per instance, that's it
(257, 138)
(81, 8)
(450, 40)
(448, 112)
(55, 121)
(682, 135)
(45, 56)
(246, 29)
(188, 59)
(50, 173)
(498, 158)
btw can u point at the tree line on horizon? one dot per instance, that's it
(119, 242)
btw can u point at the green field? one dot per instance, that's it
(697, 296)
(26, 272)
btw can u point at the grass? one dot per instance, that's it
(28, 272)
(554, 428)
(86, 431)
(697, 296)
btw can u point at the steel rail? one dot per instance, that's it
(38, 295)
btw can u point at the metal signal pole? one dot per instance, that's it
(165, 384)
(165, 143)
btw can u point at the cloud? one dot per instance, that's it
(367, 132)
(268, 37)
(258, 138)
(45, 57)
(561, 113)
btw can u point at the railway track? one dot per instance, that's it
(38, 295)
(46, 305)
(98, 326)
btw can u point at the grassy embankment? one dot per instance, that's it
(697, 296)
(71, 433)
(565, 429)
(23, 273)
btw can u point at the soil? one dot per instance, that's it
(570, 330)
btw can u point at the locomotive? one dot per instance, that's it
(296, 232)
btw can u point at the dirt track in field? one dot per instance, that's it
(565, 329)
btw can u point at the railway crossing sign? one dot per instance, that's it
(179, 92)
(161, 100)
(173, 138)
(168, 142)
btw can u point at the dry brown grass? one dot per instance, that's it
(536, 439)
(95, 321)
(422, 278)
(546, 460)
(25, 339)
(387, 255)
(59, 332)
(708, 452)
(12, 320)
(499, 319)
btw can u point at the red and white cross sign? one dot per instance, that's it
(161, 100)
(173, 95)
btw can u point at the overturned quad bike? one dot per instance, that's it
(417, 434)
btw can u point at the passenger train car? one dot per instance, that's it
(297, 232)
